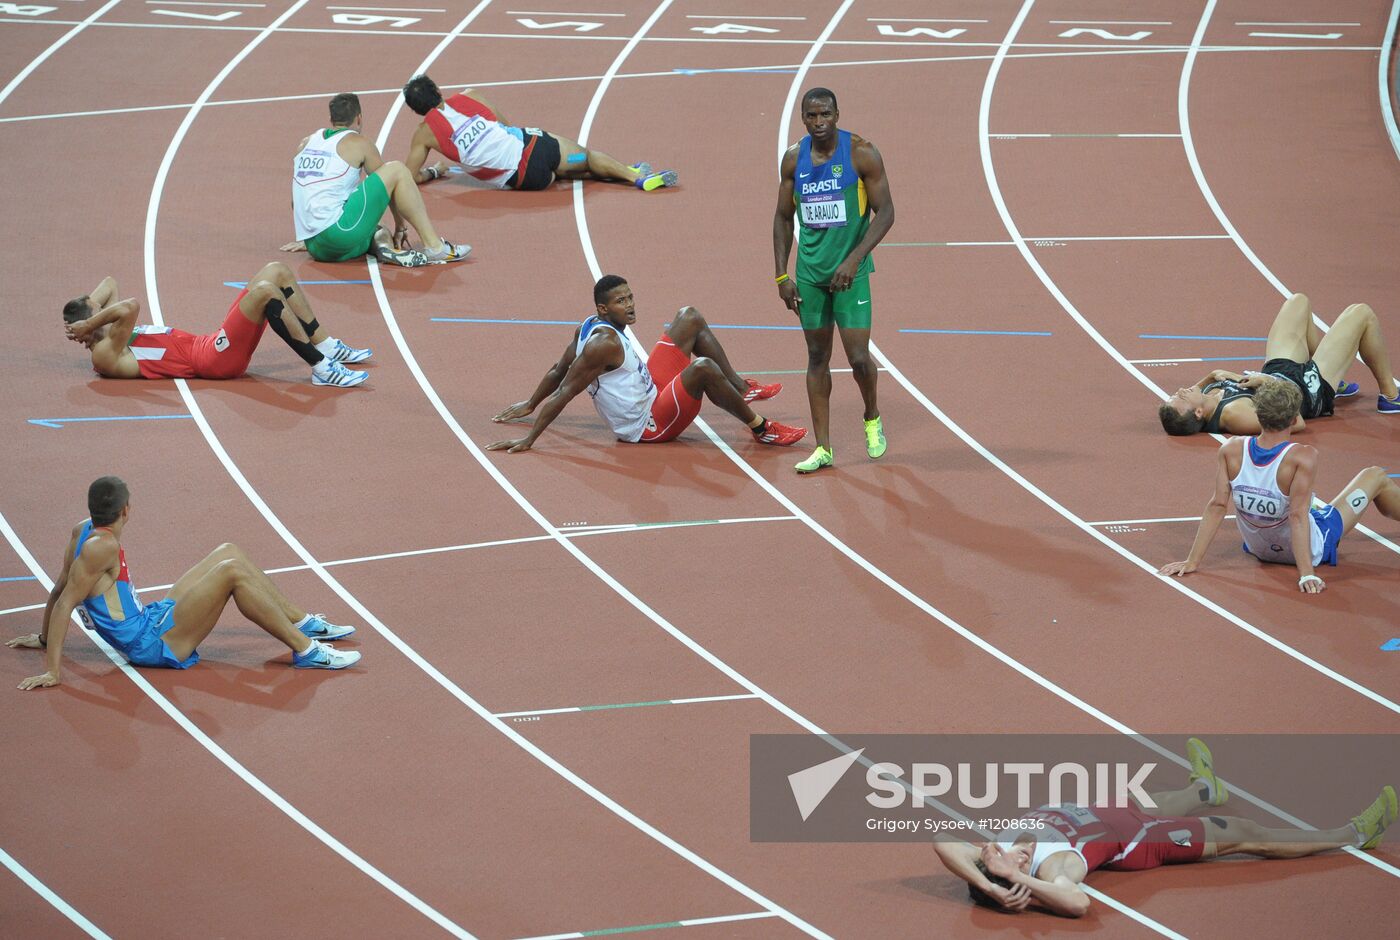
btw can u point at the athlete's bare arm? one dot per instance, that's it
(79, 581)
(36, 641)
(105, 293)
(1213, 515)
(419, 149)
(109, 352)
(782, 229)
(1058, 890)
(961, 859)
(1303, 462)
(871, 167)
(602, 353)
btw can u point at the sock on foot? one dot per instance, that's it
(759, 428)
(302, 622)
(327, 346)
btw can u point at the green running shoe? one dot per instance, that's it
(1203, 769)
(821, 457)
(874, 438)
(1374, 819)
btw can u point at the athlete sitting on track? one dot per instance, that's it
(471, 132)
(122, 350)
(1298, 351)
(1044, 860)
(1271, 481)
(96, 583)
(337, 216)
(625, 389)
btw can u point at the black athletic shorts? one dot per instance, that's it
(540, 162)
(1318, 393)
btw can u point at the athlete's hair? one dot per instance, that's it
(1277, 403)
(1177, 424)
(421, 94)
(76, 309)
(605, 286)
(107, 497)
(345, 107)
(981, 897)
(820, 94)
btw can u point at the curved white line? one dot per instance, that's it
(153, 299)
(1387, 101)
(45, 892)
(58, 43)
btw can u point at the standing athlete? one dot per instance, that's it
(834, 182)
(95, 582)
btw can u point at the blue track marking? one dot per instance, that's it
(242, 284)
(27, 577)
(1391, 646)
(60, 422)
(983, 332)
(1234, 339)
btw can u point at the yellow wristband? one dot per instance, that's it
(780, 278)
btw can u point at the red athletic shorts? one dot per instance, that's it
(226, 354)
(674, 408)
(1146, 841)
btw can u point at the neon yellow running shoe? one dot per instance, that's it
(875, 438)
(1203, 769)
(821, 457)
(1374, 819)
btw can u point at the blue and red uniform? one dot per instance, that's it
(118, 616)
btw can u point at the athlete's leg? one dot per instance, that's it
(1230, 835)
(578, 162)
(286, 280)
(1189, 800)
(1288, 336)
(404, 194)
(1356, 330)
(857, 346)
(202, 593)
(1371, 485)
(704, 378)
(819, 381)
(692, 336)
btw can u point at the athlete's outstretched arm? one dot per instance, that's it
(871, 167)
(1210, 519)
(419, 149)
(78, 580)
(35, 641)
(600, 355)
(1300, 493)
(551, 381)
(782, 230)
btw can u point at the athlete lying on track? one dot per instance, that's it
(1297, 351)
(468, 130)
(647, 402)
(95, 581)
(1043, 861)
(122, 350)
(1270, 480)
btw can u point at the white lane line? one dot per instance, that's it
(1033, 262)
(693, 922)
(1383, 74)
(1297, 35)
(412, 362)
(1148, 521)
(1189, 143)
(1010, 224)
(153, 301)
(58, 43)
(227, 759)
(896, 19)
(1110, 23)
(552, 13)
(45, 892)
(1297, 24)
(711, 16)
(202, 3)
(999, 136)
(599, 708)
(393, 9)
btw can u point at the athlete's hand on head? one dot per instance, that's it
(47, 681)
(1177, 568)
(1015, 898)
(30, 641)
(510, 447)
(518, 410)
(787, 291)
(996, 861)
(844, 275)
(294, 246)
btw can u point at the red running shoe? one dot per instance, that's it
(780, 435)
(757, 391)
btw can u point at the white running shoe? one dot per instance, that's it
(320, 656)
(327, 372)
(450, 252)
(345, 353)
(319, 628)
